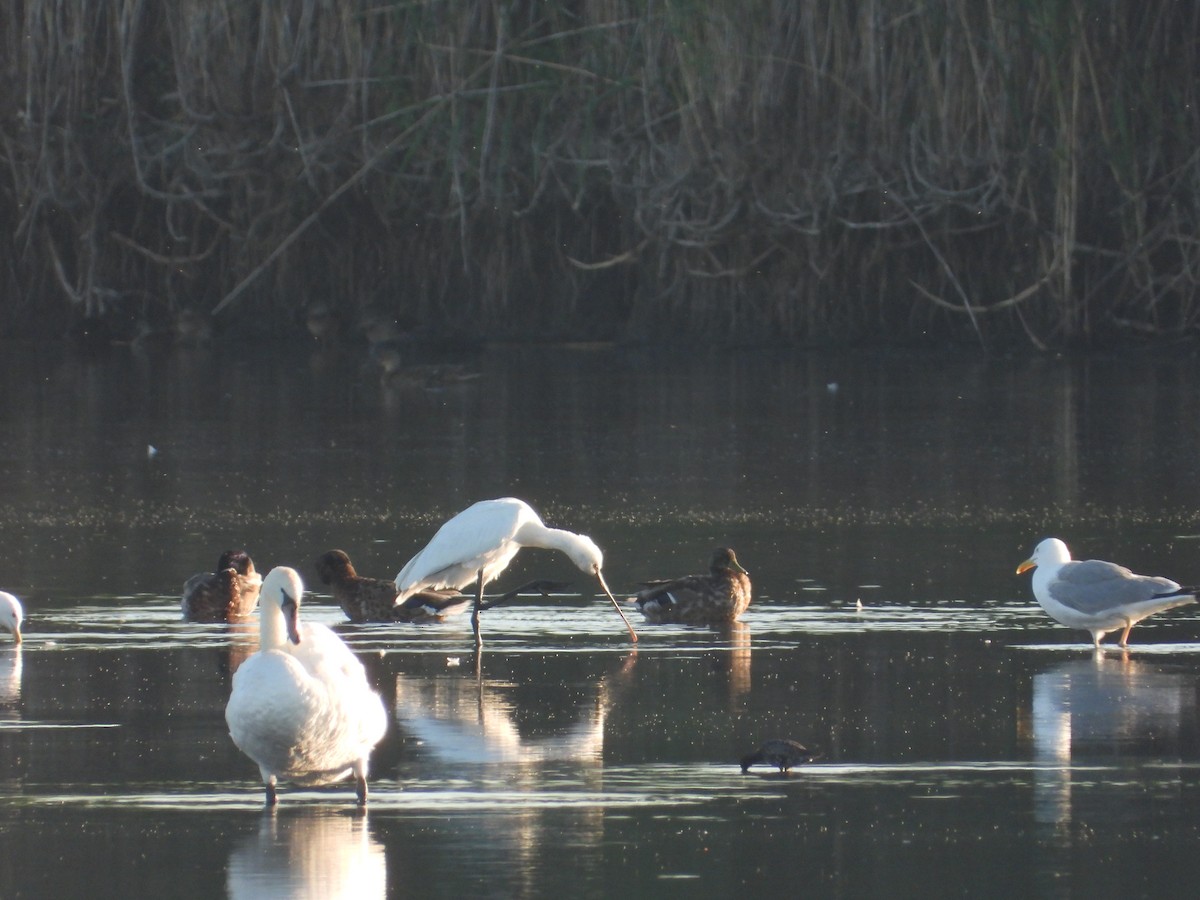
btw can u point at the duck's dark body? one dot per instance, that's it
(374, 599)
(231, 592)
(720, 596)
(782, 754)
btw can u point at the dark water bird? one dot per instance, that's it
(193, 327)
(431, 605)
(374, 599)
(321, 322)
(476, 545)
(11, 615)
(1098, 596)
(720, 596)
(230, 592)
(781, 753)
(361, 599)
(395, 372)
(301, 707)
(434, 605)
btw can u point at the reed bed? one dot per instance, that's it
(998, 171)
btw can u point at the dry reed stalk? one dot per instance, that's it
(756, 170)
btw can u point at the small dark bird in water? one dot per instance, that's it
(321, 322)
(781, 753)
(374, 599)
(720, 596)
(231, 592)
(433, 605)
(361, 599)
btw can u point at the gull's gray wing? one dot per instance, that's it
(1093, 586)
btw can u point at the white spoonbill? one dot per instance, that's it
(10, 614)
(1098, 596)
(478, 544)
(301, 706)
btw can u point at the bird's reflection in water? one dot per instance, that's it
(243, 643)
(308, 853)
(1101, 710)
(10, 684)
(468, 720)
(738, 635)
(525, 738)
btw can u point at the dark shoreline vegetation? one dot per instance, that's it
(1003, 173)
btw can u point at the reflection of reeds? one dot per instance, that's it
(757, 168)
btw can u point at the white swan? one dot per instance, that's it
(301, 706)
(10, 614)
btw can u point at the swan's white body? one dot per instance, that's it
(301, 707)
(1095, 595)
(10, 614)
(476, 545)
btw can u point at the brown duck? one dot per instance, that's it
(231, 592)
(780, 753)
(374, 599)
(361, 599)
(720, 596)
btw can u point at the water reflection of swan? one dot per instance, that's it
(310, 854)
(10, 683)
(1101, 707)
(464, 721)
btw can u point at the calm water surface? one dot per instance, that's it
(971, 746)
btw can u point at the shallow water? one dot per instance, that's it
(969, 745)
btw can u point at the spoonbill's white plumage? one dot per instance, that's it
(301, 707)
(476, 545)
(1095, 595)
(11, 614)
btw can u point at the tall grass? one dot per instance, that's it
(989, 170)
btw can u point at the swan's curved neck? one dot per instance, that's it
(272, 626)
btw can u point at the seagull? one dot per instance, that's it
(720, 596)
(1098, 596)
(476, 545)
(11, 615)
(781, 753)
(301, 707)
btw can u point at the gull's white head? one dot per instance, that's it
(1050, 552)
(10, 614)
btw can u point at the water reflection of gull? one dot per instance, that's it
(1100, 707)
(465, 721)
(308, 854)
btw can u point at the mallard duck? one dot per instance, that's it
(374, 599)
(431, 605)
(11, 614)
(228, 593)
(1098, 596)
(781, 753)
(301, 707)
(720, 596)
(361, 599)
